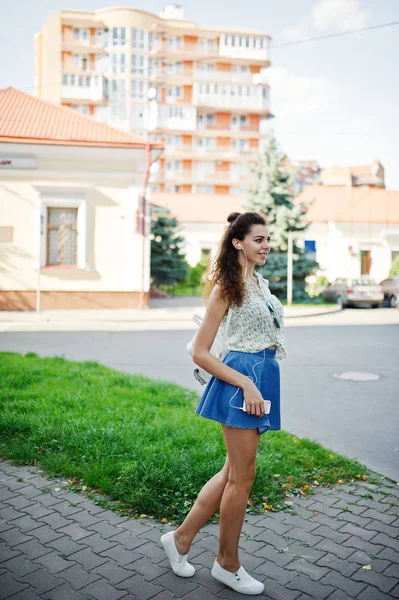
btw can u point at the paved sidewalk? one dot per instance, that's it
(58, 545)
(175, 315)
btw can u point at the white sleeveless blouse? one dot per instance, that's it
(251, 326)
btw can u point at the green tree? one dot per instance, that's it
(168, 262)
(395, 268)
(271, 194)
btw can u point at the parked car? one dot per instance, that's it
(390, 287)
(351, 291)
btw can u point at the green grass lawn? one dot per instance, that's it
(135, 444)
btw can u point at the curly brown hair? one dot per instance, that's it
(227, 271)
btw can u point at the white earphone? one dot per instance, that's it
(239, 246)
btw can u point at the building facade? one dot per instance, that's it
(200, 90)
(72, 233)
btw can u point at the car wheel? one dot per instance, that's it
(375, 306)
(340, 302)
(392, 301)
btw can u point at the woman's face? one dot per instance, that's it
(256, 244)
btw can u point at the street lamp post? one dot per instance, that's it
(289, 269)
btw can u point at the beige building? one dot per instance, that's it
(201, 90)
(71, 221)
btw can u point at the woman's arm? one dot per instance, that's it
(216, 309)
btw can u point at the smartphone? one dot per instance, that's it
(267, 406)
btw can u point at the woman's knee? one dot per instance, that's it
(242, 477)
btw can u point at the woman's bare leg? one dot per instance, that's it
(206, 504)
(242, 446)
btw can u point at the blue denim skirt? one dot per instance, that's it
(221, 401)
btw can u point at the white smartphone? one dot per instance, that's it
(267, 406)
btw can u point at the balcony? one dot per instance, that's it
(255, 52)
(224, 76)
(195, 176)
(83, 46)
(84, 88)
(163, 76)
(172, 117)
(186, 50)
(195, 152)
(245, 104)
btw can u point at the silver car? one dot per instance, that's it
(390, 287)
(351, 291)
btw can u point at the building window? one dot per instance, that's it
(118, 63)
(138, 89)
(118, 36)
(138, 64)
(174, 141)
(138, 38)
(205, 143)
(240, 146)
(62, 236)
(81, 35)
(83, 109)
(175, 43)
(203, 189)
(173, 189)
(206, 45)
(116, 89)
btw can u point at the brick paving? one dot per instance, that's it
(58, 545)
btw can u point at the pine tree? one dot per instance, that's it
(271, 195)
(168, 263)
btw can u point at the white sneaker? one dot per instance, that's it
(240, 582)
(178, 562)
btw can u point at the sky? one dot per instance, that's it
(334, 100)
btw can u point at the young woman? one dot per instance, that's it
(250, 373)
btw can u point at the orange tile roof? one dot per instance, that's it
(351, 204)
(26, 119)
(339, 204)
(199, 208)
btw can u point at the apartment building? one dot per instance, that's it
(200, 90)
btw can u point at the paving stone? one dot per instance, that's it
(8, 513)
(303, 524)
(204, 578)
(279, 558)
(395, 592)
(14, 484)
(53, 562)
(310, 554)
(205, 559)
(268, 569)
(379, 516)
(372, 593)
(14, 536)
(36, 510)
(271, 525)
(41, 580)
(71, 497)
(333, 548)
(388, 554)
(325, 508)
(336, 595)
(88, 559)
(136, 527)
(385, 540)
(382, 528)
(19, 566)
(76, 532)
(314, 571)
(105, 529)
(200, 593)
(147, 568)
(7, 553)
(65, 546)
(66, 509)
(63, 592)
(85, 519)
(31, 492)
(6, 494)
(180, 586)
(32, 549)
(10, 587)
(303, 583)
(382, 582)
(341, 565)
(304, 536)
(101, 590)
(391, 570)
(19, 502)
(78, 577)
(45, 534)
(40, 482)
(26, 523)
(153, 551)
(55, 520)
(27, 594)
(112, 572)
(127, 539)
(121, 556)
(98, 543)
(114, 519)
(336, 580)
(355, 520)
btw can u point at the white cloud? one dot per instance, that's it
(343, 15)
(300, 95)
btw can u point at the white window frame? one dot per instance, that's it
(64, 199)
(139, 38)
(120, 38)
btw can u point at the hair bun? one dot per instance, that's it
(232, 217)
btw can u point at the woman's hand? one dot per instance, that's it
(254, 403)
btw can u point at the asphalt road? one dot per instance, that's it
(357, 419)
